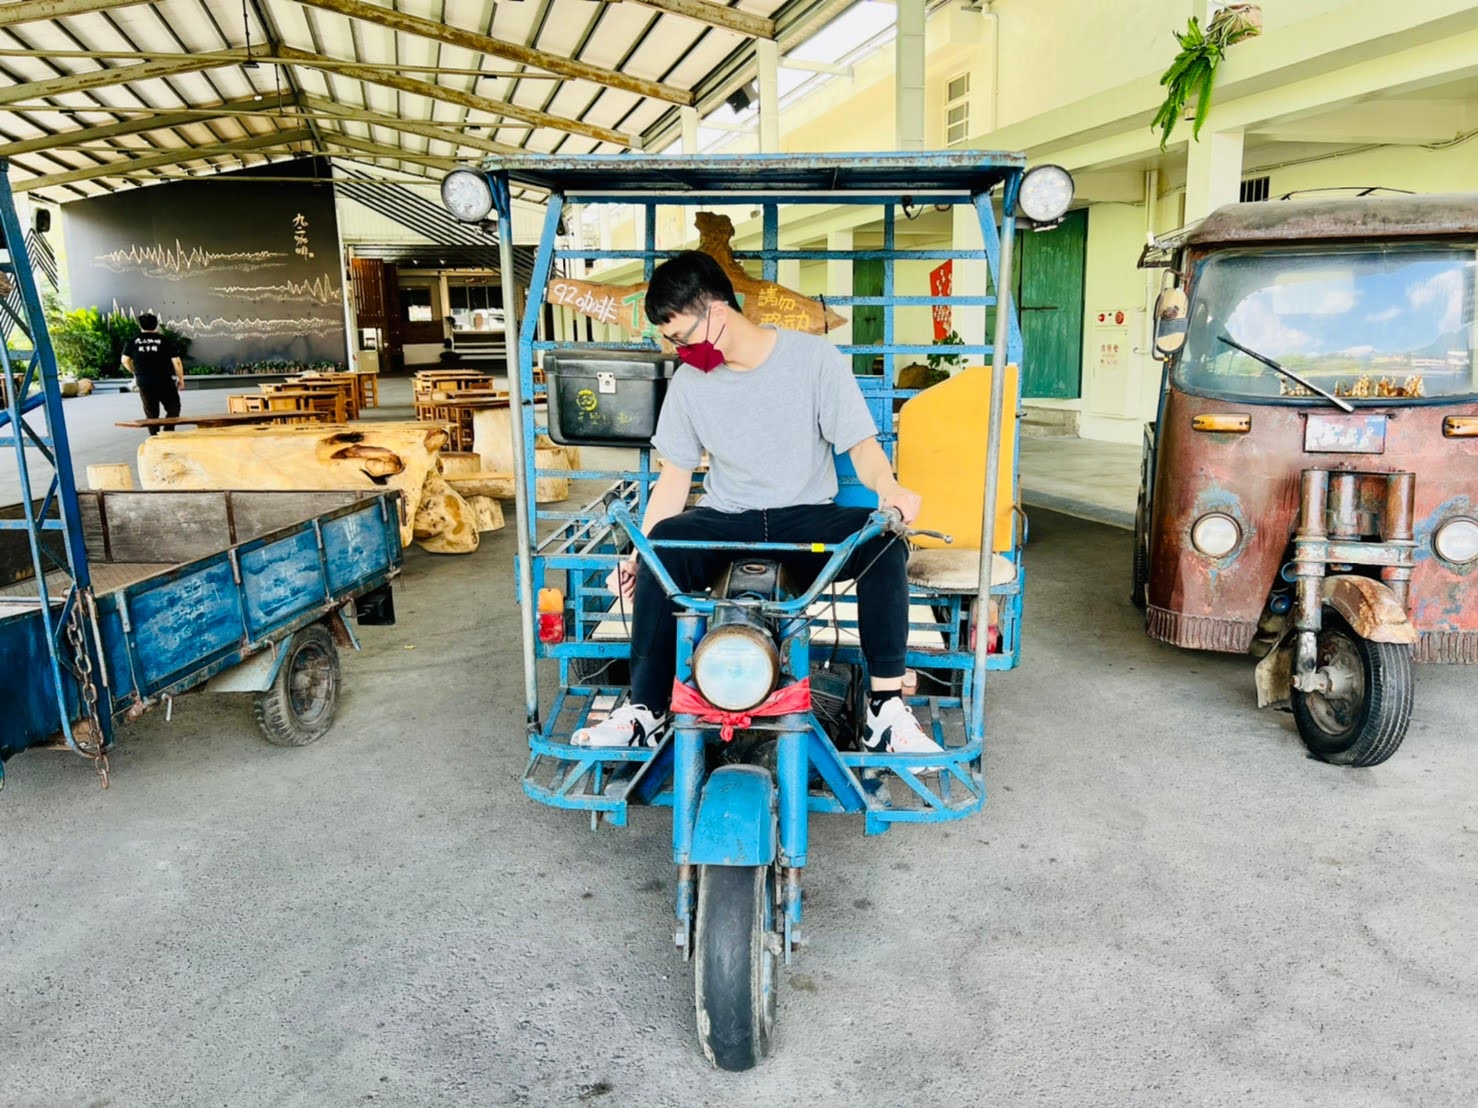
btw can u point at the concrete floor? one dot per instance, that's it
(1164, 902)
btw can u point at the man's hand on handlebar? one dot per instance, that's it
(622, 580)
(901, 500)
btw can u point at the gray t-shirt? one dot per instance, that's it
(769, 431)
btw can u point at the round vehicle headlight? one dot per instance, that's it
(467, 195)
(1216, 535)
(1456, 541)
(1045, 194)
(735, 666)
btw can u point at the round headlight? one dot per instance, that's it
(1046, 192)
(1457, 541)
(1216, 535)
(735, 666)
(467, 195)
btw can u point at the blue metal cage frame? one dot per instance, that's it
(52, 521)
(582, 545)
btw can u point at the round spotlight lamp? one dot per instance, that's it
(1046, 193)
(1456, 541)
(1216, 535)
(467, 195)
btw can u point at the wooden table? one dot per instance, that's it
(346, 383)
(219, 419)
(329, 401)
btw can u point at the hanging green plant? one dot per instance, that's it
(1194, 68)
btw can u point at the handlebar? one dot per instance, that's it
(886, 521)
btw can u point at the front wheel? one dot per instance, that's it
(1139, 585)
(735, 965)
(300, 705)
(1362, 719)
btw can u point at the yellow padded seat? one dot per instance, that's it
(941, 456)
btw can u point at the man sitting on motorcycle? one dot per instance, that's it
(769, 406)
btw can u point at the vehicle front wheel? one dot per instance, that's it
(1138, 589)
(1362, 719)
(300, 705)
(735, 965)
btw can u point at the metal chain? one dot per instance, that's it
(87, 732)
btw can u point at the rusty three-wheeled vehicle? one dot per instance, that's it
(1310, 487)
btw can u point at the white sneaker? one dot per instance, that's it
(895, 730)
(628, 725)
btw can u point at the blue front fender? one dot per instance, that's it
(736, 819)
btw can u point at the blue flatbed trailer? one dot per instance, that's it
(114, 602)
(168, 619)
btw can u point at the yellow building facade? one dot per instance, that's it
(1330, 95)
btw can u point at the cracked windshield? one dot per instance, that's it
(1367, 325)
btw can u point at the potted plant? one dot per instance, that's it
(1193, 71)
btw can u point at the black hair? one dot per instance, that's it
(687, 283)
(148, 321)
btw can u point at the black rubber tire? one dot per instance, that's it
(735, 974)
(1368, 732)
(300, 705)
(1138, 595)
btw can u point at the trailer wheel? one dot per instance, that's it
(300, 705)
(1363, 720)
(734, 966)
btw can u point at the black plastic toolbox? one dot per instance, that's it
(605, 397)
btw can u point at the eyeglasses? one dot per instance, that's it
(686, 335)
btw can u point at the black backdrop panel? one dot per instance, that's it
(249, 269)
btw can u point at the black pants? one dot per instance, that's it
(155, 394)
(882, 590)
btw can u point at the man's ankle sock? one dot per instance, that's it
(877, 698)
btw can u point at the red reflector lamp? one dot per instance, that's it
(551, 616)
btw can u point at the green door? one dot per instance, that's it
(867, 322)
(1049, 291)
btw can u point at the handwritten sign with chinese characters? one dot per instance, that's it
(300, 236)
(601, 303)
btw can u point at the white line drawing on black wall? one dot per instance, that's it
(179, 263)
(319, 289)
(220, 328)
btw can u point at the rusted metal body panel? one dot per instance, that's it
(1257, 478)
(1365, 219)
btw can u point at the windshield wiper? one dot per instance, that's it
(1343, 405)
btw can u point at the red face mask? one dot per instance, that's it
(704, 355)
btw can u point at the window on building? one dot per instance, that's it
(957, 110)
(1254, 189)
(415, 305)
(475, 307)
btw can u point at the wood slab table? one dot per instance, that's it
(217, 419)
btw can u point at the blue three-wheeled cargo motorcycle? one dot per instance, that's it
(769, 674)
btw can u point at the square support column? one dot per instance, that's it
(909, 69)
(767, 59)
(971, 278)
(1213, 173)
(839, 280)
(689, 117)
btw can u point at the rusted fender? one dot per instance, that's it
(1370, 608)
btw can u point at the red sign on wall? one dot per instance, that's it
(941, 281)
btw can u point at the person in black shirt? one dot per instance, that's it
(157, 368)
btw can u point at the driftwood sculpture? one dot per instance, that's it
(763, 301)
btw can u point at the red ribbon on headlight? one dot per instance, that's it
(689, 701)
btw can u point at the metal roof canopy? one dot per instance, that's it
(1371, 217)
(961, 172)
(105, 94)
